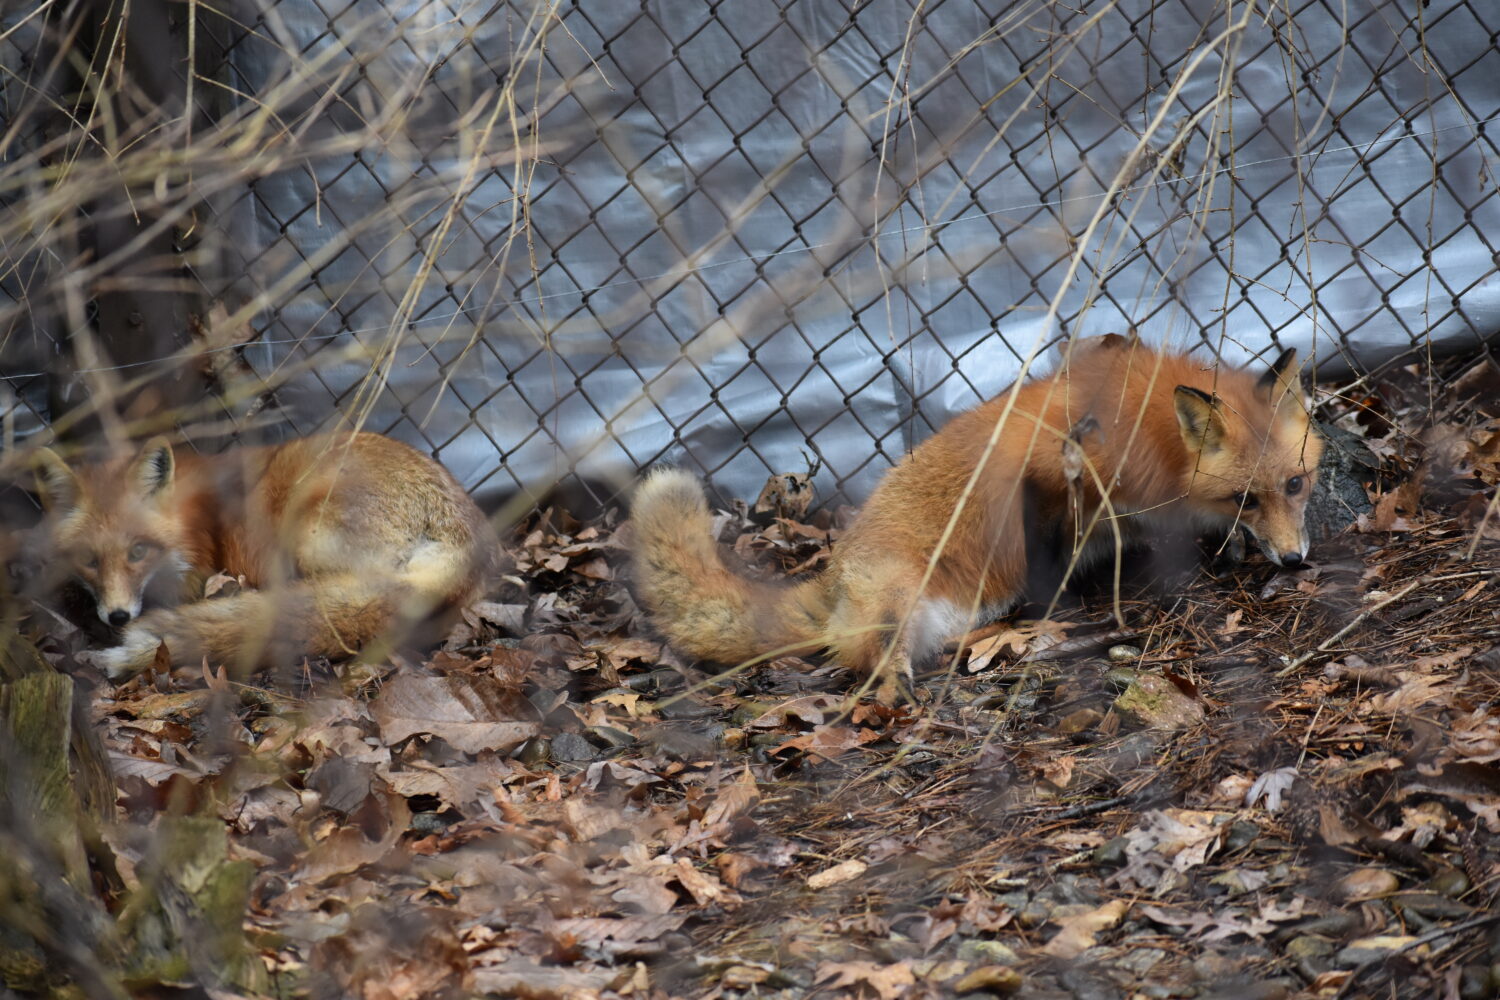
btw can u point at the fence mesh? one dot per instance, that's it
(552, 239)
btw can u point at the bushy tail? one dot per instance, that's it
(700, 605)
(334, 616)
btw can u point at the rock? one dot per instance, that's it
(1308, 946)
(535, 751)
(1431, 905)
(1366, 883)
(1120, 678)
(1339, 496)
(1452, 883)
(609, 736)
(1153, 702)
(1373, 949)
(999, 980)
(571, 746)
(1240, 836)
(428, 822)
(1111, 854)
(975, 950)
(1474, 983)
(1123, 653)
(1079, 721)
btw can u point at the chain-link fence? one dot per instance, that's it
(547, 239)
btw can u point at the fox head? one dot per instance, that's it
(1254, 455)
(111, 524)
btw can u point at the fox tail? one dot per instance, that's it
(700, 605)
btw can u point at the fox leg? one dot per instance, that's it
(878, 625)
(335, 616)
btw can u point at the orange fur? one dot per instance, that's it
(346, 538)
(1120, 437)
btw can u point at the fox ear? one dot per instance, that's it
(1283, 371)
(152, 471)
(1281, 384)
(57, 484)
(1199, 419)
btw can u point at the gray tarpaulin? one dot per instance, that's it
(747, 234)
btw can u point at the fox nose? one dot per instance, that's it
(119, 617)
(1291, 560)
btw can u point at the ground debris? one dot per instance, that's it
(1288, 781)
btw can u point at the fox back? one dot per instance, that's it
(1118, 443)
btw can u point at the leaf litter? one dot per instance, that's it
(553, 804)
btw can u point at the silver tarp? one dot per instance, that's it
(748, 236)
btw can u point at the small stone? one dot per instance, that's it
(1118, 679)
(1452, 883)
(989, 952)
(1079, 721)
(1474, 983)
(571, 746)
(1153, 702)
(1035, 913)
(1431, 905)
(611, 737)
(1111, 853)
(535, 751)
(999, 980)
(428, 822)
(1366, 883)
(1374, 949)
(1123, 653)
(1308, 946)
(1240, 836)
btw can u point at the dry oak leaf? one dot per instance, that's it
(349, 848)
(704, 888)
(888, 981)
(448, 707)
(1078, 931)
(1186, 836)
(632, 936)
(812, 709)
(1021, 641)
(1415, 690)
(828, 742)
(734, 799)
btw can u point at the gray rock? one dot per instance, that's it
(571, 746)
(1339, 495)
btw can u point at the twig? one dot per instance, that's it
(1324, 646)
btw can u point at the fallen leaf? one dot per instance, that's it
(888, 981)
(451, 708)
(842, 872)
(1078, 932)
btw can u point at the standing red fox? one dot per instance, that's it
(1122, 436)
(349, 537)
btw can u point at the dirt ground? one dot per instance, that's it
(1265, 784)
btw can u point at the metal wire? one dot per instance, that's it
(577, 239)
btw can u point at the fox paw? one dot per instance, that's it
(130, 657)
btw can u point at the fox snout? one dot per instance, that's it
(1291, 556)
(118, 598)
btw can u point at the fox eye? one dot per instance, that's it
(91, 562)
(138, 551)
(1294, 486)
(1245, 501)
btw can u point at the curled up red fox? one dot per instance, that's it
(1121, 442)
(348, 538)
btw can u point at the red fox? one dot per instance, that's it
(1120, 443)
(349, 538)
